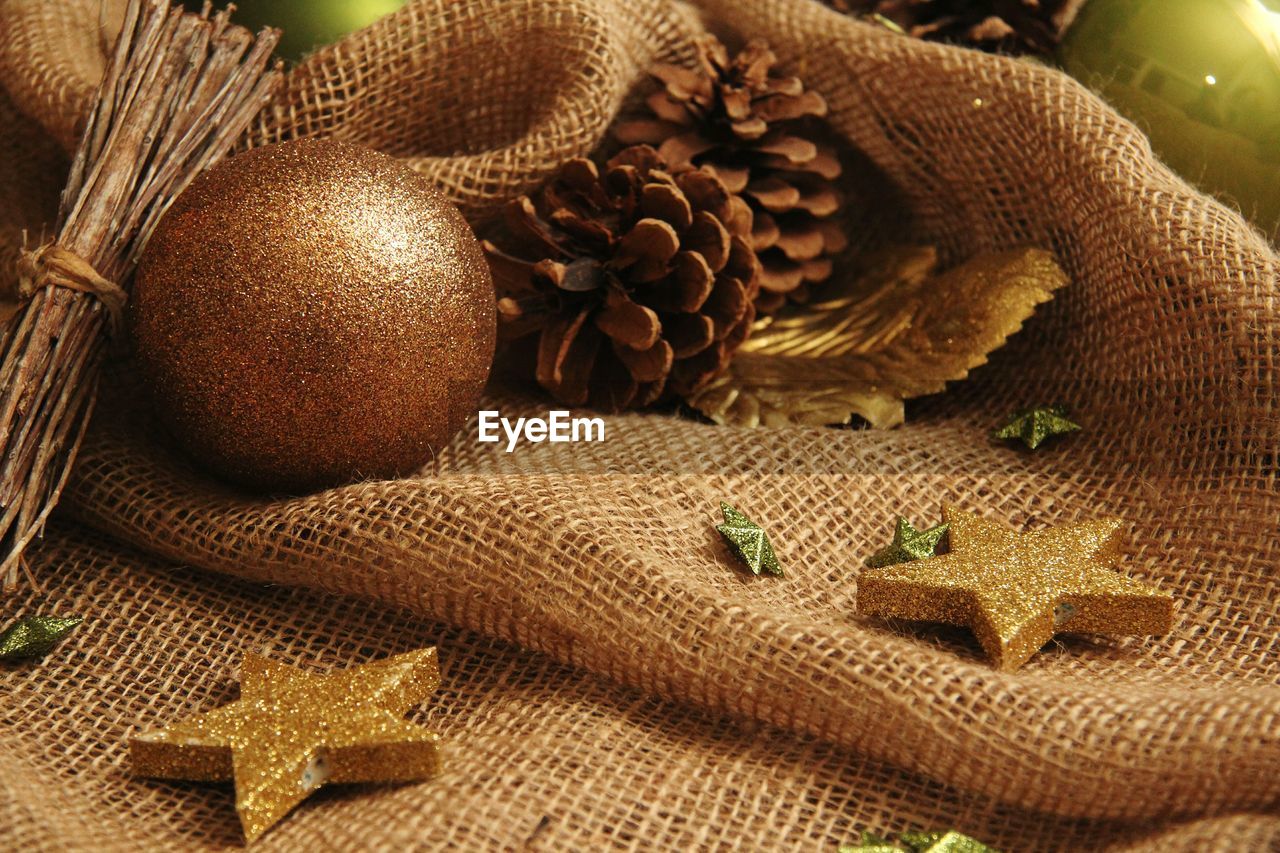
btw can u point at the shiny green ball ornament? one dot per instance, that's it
(1202, 78)
(308, 24)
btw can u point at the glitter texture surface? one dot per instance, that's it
(948, 841)
(312, 313)
(1034, 426)
(35, 636)
(1009, 587)
(292, 731)
(748, 541)
(908, 544)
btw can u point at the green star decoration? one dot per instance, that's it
(748, 541)
(871, 843)
(1033, 426)
(34, 636)
(908, 544)
(919, 842)
(943, 842)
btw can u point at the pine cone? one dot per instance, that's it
(999, 26)
(740, 121)
(639, 283)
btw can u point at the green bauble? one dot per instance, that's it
(308, 24)
(1202, 78)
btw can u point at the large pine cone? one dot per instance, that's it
(639, 283)
(740, 121)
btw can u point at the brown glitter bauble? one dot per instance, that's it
(313, 313)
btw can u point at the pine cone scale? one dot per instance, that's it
(788, 151)
(510, 274)
(765, 233)
(751, 128)
(689, 334)
(565, 353)
(705, 192)
(681, 83)
(708, 237)
(646, 250)
(775, 195)
(801, 244)
(820, 200)
(735, 178)
(668, 109)
(580, 276)
(682, 149)
(667, 203)
(623, 320)
(646, 132)
(727, 306)
(527, 228)
(647, 365)
(788, 107)
(654, 263)
(686, 289)
(781, 277)
(696, 371)
(745, 124)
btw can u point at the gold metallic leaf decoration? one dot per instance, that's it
(899, 330)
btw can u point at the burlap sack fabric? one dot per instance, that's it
(680, 704)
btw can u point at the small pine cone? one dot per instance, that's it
(740, 121)
(999, 26)
(639, 283)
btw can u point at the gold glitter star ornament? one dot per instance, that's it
(1015, 590)
(292, 731)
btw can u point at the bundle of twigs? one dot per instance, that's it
(179, 91)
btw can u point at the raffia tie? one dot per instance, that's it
(53, 266)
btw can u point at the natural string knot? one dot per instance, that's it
(53, 266)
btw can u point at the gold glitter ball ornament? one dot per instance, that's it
(1015, 590)
(292, 731)
(312, 313)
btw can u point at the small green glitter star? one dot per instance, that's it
(1033, 426)
(748, 541)
(34, 636)
(908, 544)
(871, 843)
(919, 842)
(942, 842)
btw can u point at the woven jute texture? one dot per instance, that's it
(611, 679)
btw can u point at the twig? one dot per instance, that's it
(178, 93)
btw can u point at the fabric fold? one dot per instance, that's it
(604, 556)
(621, 572)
